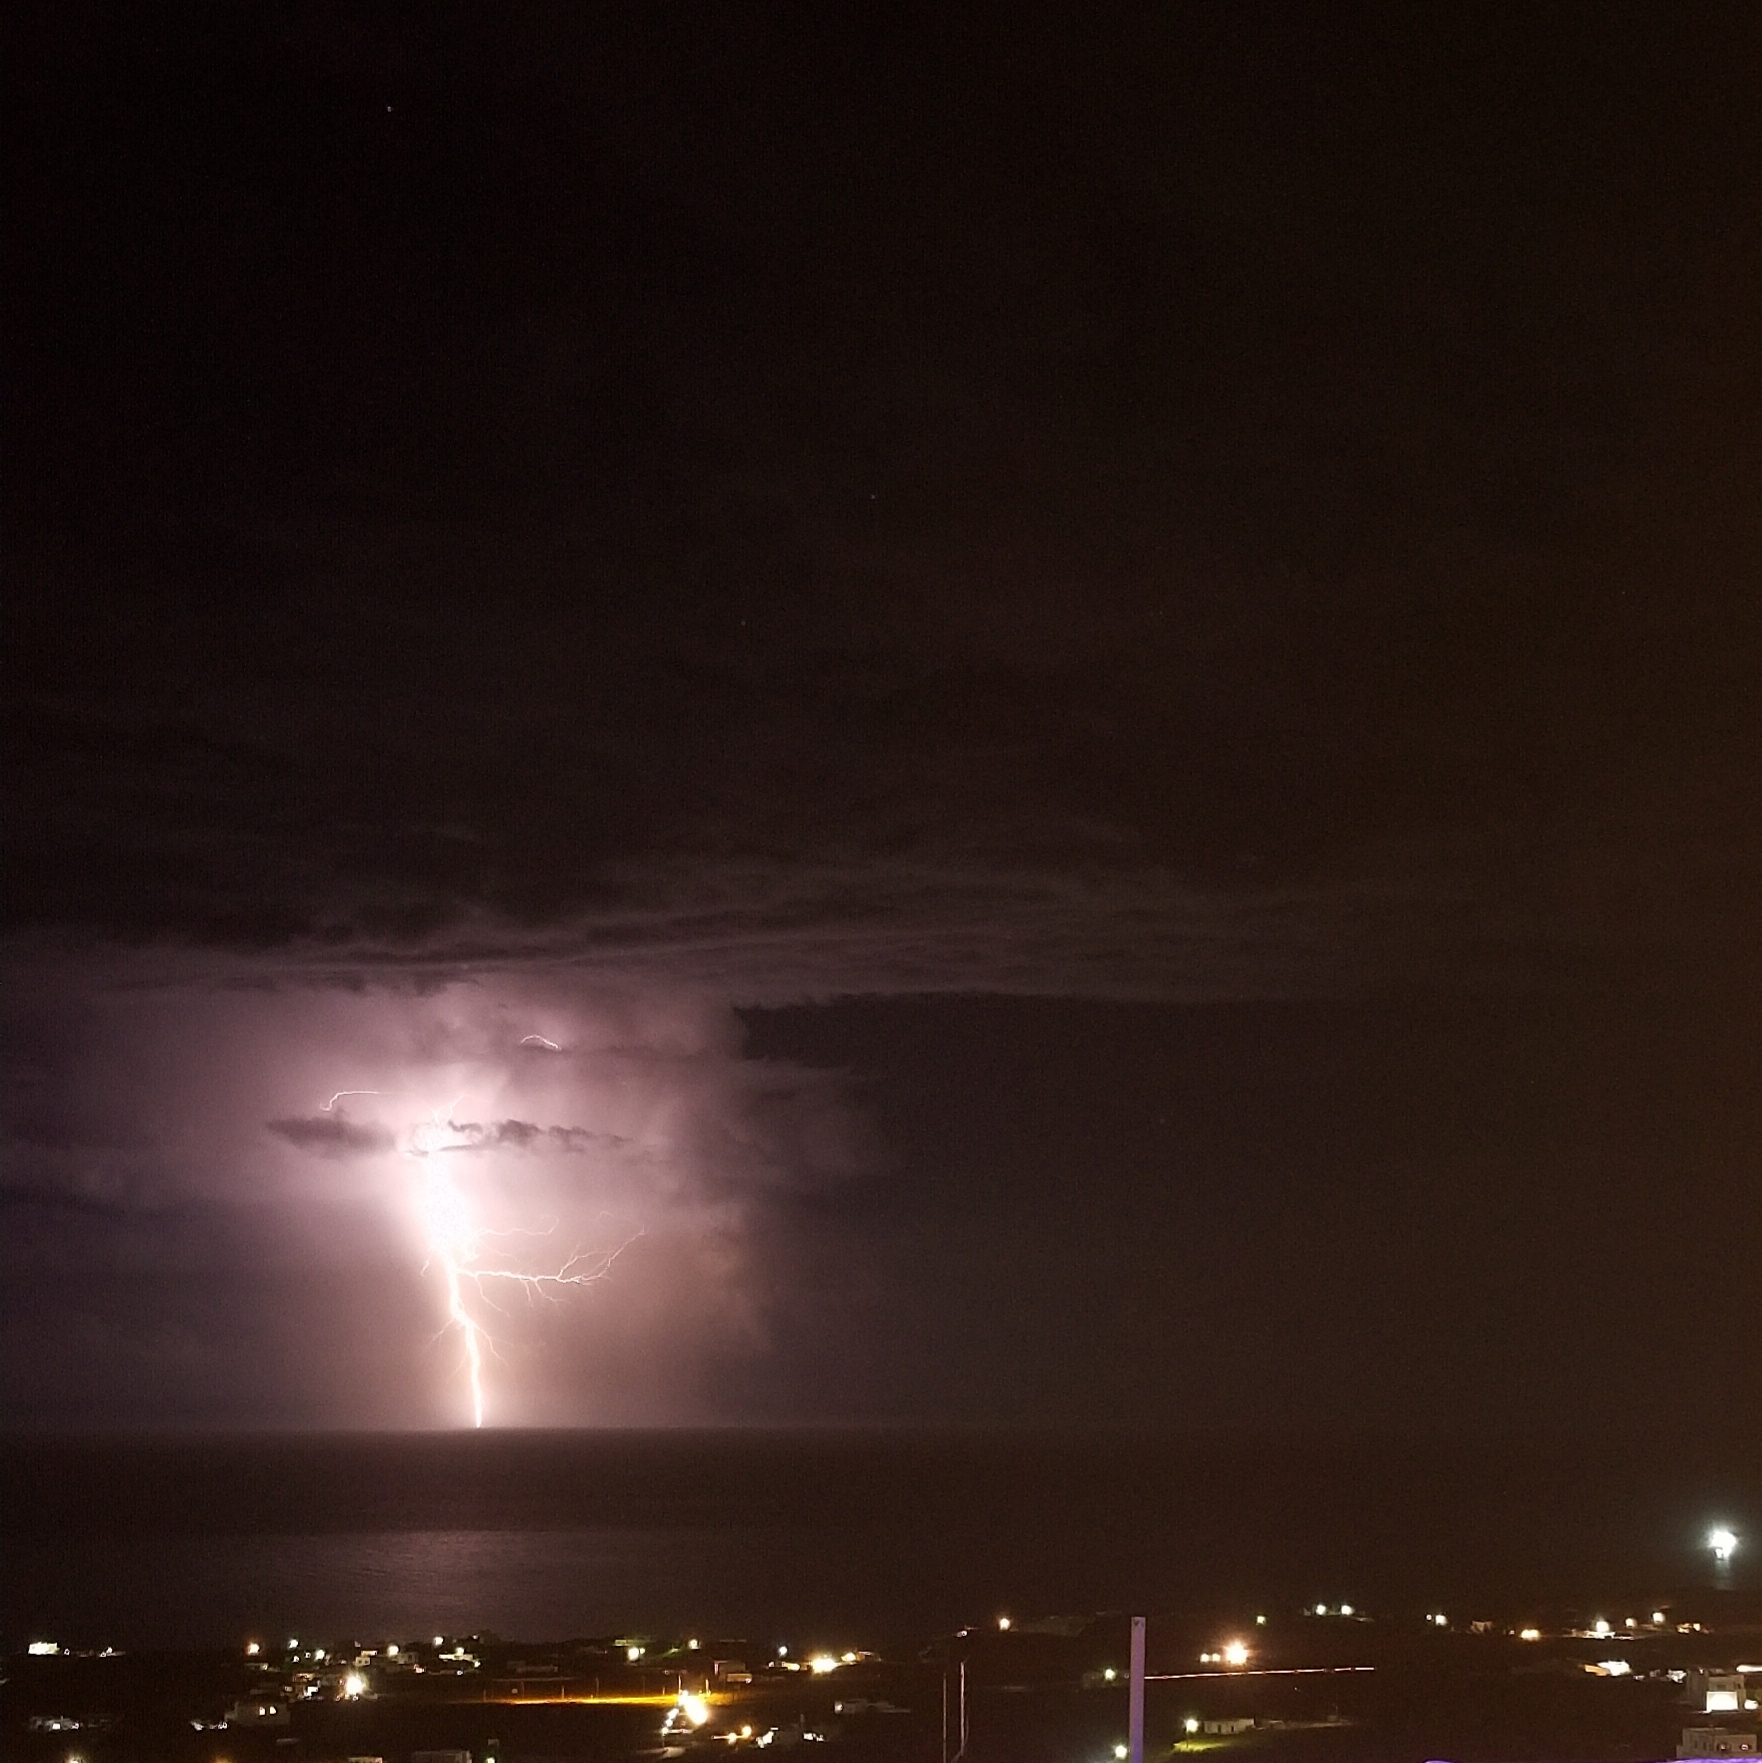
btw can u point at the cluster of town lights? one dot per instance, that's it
(694, 1710)
(1232, 1653)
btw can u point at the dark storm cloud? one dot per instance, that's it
(525, 1135)
(334, 1135)
(21, 1197)
(1199, 511)
(1228, 521)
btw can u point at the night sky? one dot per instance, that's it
(1058, 715)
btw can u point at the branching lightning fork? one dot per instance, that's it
(455, 1240)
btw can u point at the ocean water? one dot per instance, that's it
(804, 1538)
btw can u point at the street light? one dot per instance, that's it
(1723, 1543)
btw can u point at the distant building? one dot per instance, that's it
(256, 1711)
(1715, 1741)
(1227, 1728)
(1719, 1692)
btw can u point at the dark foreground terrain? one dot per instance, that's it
(1389, 1689)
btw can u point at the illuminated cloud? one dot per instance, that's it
(617, 1192)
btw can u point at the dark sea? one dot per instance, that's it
(876, 1539)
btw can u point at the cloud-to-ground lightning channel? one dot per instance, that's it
(455, 1239)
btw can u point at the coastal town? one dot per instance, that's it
(1678, 1678)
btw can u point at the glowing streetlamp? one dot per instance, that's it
(1723, 1543)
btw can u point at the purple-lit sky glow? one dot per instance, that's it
(1098, 677)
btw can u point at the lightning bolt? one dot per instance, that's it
(455, 1240)
(328, 1107)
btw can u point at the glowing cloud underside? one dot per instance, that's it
(500, 1162)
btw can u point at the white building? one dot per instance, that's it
(251, 1711)
(1715, 1741)
(1720, 1692)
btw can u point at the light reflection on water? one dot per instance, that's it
(208, 1590)
(870, 1539)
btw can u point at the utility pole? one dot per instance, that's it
(1135, 1703)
